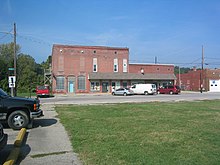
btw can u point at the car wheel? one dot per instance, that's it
(146, 93)
(171, 92)
(125, 94)
(158, 92)
(113, 93)
(18, 120)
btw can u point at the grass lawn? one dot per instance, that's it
(146, 133)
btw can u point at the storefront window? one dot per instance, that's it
(81, 82)
(60, 83)
(95, 86)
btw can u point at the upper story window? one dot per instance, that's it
(95, 66)
(115, 65)
(125, 65)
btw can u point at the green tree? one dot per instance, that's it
(6, 62)
(26, 71)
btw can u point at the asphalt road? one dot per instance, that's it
(107, 98)
(48, 143)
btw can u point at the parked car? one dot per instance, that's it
(3, 137)
(43, 91)
(145, 89)
(17, 111)
(169, 89)
(123, 91)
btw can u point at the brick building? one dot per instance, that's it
(208, 79)
(88, 69)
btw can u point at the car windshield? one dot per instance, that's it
(3, 93)
(41, 87)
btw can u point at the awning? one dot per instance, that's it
(130, 76)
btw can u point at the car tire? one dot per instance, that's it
(145, 93)
(18, 120)
(158, 92)
(171, 92)
(125, 94)
(113, 93)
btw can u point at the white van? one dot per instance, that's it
(144, 89)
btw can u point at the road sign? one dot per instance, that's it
(11, 68)
(11, 81)
(11, 85)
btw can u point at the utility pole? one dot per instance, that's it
(201, 73)
(15, 59)
(179, 78)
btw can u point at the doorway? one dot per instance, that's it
(105, 86)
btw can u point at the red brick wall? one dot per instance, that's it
(151, 68)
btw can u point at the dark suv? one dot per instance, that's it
(3, 137)
(17, 111)
(169, 89)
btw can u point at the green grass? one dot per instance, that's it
(147, 133)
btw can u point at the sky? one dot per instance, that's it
(171, 31)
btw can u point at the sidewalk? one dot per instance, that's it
(47, 142)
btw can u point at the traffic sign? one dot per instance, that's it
(11, 81)
(11, 85)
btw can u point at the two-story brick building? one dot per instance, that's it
(88, 69)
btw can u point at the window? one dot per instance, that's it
(81, 82)
(124, 65)
(95, 69)
(95, 86)
(60, 83)
(115, 65)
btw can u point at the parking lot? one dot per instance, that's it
(48, 143)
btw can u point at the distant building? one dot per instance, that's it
(89, 69)
(208, 79)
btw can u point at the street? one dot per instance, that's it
(108, 98)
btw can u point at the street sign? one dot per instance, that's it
(11, 81)
(11, 68)
(11, 85)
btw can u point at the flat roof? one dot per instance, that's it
(89, 47)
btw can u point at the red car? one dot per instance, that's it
(42, 91)
(169, 89)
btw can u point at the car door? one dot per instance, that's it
(120, 91)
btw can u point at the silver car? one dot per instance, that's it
(123, 91)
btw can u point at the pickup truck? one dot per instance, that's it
(18, 112)
(42, 91)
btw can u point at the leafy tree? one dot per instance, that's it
(29, 73)
(6, 62)
(26, 71)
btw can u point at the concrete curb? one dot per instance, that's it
(13, 156)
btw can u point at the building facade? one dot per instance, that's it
(195, 80)
(91, 69)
